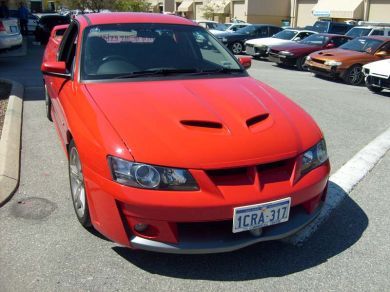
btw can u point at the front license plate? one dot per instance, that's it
(275, 59)
(261, 215)
(13, 28)
(250, 50)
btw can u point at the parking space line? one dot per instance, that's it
(344, 180)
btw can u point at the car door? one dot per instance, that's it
(63, 87)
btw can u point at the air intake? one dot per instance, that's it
(202, 124)
(256, 119)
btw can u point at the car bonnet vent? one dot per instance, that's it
(201, 124)
(256, 119)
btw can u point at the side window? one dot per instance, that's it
(338, 41)
(386, 48)
(67, 48)
(202, 24)
(338, 28)
(303, 35)
(273, 30)
(378, 32)
(262, 31)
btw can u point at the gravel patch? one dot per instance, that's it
(5, 89)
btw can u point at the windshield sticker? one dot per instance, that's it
(114, 37)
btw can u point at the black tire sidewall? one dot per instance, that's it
(347, 73)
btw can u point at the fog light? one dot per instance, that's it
(256, 232)
(141, 227)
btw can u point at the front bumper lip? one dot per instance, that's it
(186, 246)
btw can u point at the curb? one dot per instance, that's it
(10, 143)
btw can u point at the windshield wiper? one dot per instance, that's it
(220, 70)
(160, 71)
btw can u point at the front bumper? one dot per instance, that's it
(189, 245)
(320, 68)
(10, 41)
(282, 59)
(256, 51)
(201, 221)
(379, 82)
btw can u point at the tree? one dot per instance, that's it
(132, 5)
(117, 5)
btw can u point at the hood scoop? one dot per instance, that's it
(202, 124)
(256, 120)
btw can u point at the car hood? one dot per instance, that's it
(295, 47)
(269, 42)
(379, 68)
(343, 55)
(205, 123)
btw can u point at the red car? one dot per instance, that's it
(295, 54)
(172, 147)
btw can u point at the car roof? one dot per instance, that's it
(131, 17)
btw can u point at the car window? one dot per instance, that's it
(113, 50)
(386, 48)
(338, 28)
(247, 30)
(285, 34)
(321, 26)
(362, 45)
(262, 31)
(358, 32)
(338, 41)
(68, 46)
(315, 39)
(273, 30)
(377, 32)
(303, 35)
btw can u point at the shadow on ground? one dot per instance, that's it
(270, 259)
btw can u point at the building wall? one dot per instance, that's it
(267, 11)
(379, 11)
(304, 15)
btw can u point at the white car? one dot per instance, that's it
(259, 47)
(9, 33)
(377, 75)
(231, 27)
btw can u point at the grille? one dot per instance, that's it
(318, 61)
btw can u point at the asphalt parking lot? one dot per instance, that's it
(44, 248)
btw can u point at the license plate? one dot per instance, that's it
(250, 50)
(275, 59)
(261, 215)
(13, 28)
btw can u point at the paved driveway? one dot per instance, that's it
(43, 247)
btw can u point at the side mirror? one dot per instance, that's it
(382, 54)
(297, 39)
(246, 62)
(330, 46)
(57, 69)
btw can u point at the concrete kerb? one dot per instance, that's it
(10, 143)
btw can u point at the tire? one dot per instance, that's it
(48, 105)
(300, 64)
(374, 89)
(236, 48)
(77, 187)
(354, 75)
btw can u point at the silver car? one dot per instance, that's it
(9, 33)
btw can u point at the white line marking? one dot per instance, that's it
(346, 178)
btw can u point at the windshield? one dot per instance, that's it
(285, 34)
(321, 26)
(315, 39)
(132, 50)
(220, 26)
(247, 30)
(362, 45)
(358, 32)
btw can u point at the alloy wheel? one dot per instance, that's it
(355, 75)
(77, 183)
(237, 48)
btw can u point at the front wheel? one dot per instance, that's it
(77, 187)
(354, 75)
(236, 48)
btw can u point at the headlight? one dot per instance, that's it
(314, 157)
(366, 71)
(332, 63)
(308, 58)
(286, 53)
(148, 176)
